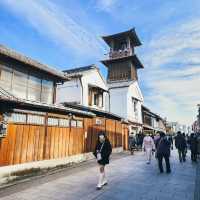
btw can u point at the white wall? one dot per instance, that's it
(118, 101)
(121, 101)
(135, 92)
(70, 91)
(93, 78)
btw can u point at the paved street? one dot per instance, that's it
(129, 178)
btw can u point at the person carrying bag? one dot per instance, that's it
(102, 153)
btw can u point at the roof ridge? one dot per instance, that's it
(81, 69)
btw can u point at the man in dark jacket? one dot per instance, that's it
(163, 151)
(193, 147)
(181, 145)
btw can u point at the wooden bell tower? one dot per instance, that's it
(122, 62)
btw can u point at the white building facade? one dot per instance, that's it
(126, 100)
(85, 87)
(120, 94)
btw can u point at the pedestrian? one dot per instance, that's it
(156, 137)
(102, 153)
(171, 141)
(163, 151)
(193, 147)
(148, 146)
(198, 145)
(132, 143)
(181, 145)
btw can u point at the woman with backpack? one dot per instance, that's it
(102, 153)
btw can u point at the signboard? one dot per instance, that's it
(98, 121)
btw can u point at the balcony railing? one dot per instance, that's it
(120, 53)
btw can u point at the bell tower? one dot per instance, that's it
(125, 97)
(122, 62)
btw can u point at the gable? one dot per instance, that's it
(94, 78)
(134, 90)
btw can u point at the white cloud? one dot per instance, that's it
(53, 22)
(106, 5)
(172, 71)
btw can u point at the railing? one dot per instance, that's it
(120, 53)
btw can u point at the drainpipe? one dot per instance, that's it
(80, 79)
(108, 92)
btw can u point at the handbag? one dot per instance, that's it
(99, 157)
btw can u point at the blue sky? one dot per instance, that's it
(66, 34)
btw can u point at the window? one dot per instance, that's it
(98, 99)
(73, 123)
(123, 45)
(18, 118)
(135, 107)
(47, 91)
(80, 124)
(5, 77)
(34, 88)
(64, 122)
(95, 97)
(52, 121)
(35, 119)
(19, 85)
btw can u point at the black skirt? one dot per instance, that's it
(105, 152)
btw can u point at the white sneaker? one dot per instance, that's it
(99, 187)
(104, 183)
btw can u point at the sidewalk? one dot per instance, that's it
(129, 178)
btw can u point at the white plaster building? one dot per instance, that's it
(120, 94)
(86, 87)
(126, 100)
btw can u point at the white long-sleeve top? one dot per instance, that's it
(148, 143)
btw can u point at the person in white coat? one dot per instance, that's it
(148, 146)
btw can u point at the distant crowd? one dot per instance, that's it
(161, 145)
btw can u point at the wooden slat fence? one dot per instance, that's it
(28, 142)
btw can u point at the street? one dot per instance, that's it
(129, 178)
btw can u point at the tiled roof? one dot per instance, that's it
(133, 58)
(31, 62)
(130, 33)
(79, 70)
(98, 112)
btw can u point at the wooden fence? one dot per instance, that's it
(34, 142)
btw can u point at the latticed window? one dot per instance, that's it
(35, 119)
(19, 85)
(73, 123)
(79, 124)
(17, 118)
(52, 121)
(64, 122)
(6, 77)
